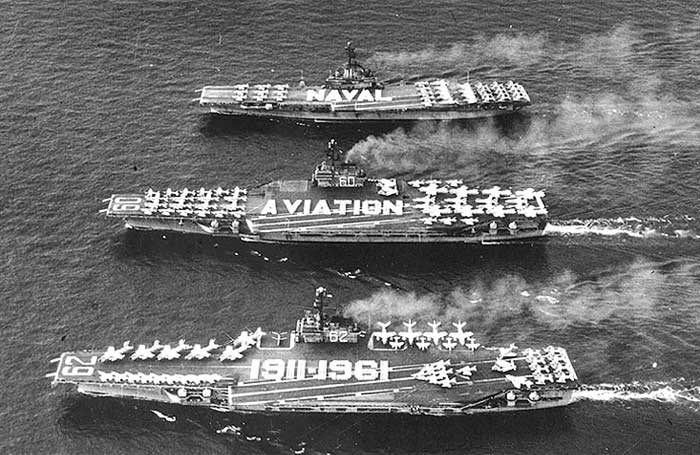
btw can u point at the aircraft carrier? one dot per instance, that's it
(330, 364)
(354, 94)
(340, 204)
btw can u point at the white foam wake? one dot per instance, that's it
(679, 227)
(667, 392)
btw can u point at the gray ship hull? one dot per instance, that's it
(327, 406)
(350, 99)
(367, 212)
(340, 369)
(364, 116)
(331, 237)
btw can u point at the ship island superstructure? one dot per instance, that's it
(330, 364)
(341, 204)
(353, 93)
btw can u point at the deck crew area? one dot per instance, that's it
(209, 209)
(430, 370)
(354, 93)
(391, 210)
(439, 94)
(356, 209)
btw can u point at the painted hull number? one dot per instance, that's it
(126, 204)
(75, 366)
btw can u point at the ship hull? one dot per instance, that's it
(387, 211)
(388, 238)
(180, 226)
(364, 116)
(155, 394)
(337, 237)
(432, 372)
(438, 99)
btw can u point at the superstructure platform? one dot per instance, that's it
(354, 94)
(331, 364)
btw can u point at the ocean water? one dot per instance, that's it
(97, 98)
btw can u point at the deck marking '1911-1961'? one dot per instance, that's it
(338, 370)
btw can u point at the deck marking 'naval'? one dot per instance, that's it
(337, 95)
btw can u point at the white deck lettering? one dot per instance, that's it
(343, 205)
(335, 95)
(339, 206)
(321, 208)
(270, 208)
(83, 367)
(371, 207)
(291, 207)
(392, 207)
(337, 370)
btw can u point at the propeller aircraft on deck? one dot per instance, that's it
(409, 335)
(435, 335)
(460, 335)
(384, 335)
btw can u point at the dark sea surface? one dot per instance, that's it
(97, 98)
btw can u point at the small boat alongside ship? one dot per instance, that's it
(341, 204)
(354, 94)
(330, 364)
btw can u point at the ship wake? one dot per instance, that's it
(676, 392)
(649, 227)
